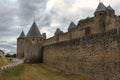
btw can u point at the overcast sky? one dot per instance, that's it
(18, 15)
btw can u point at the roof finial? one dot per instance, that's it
(22, 30)
(100, 1)
(22, 34)
(34, 19)
(109, 2)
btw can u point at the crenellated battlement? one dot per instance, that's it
(114, 33)
(91, 55)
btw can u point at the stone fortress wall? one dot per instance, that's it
(81, 31)
(91, 48)
(75, 33)
(97, 56)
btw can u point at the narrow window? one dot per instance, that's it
(100, 14)
(33, 39)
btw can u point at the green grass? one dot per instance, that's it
(16, 71)
(37, 72)
(10, 74)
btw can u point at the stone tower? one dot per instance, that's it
(110, 11)
(21, 45)
(57, 33)
(44, 36)
(33, 49)
(71, 27)
(104, 17)
(100, 15)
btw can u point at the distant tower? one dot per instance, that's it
(33, 50)
(44, 36)
(71, 26)
(110, 11)
(100, 15)
(21, 45)
(57, 33)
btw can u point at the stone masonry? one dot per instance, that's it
(91, 49)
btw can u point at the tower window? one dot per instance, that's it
(33, 39)
(100, 14)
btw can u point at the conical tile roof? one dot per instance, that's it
(22, 35)
(101, 7)
(34, 31)
(110, 8)
(44, 35)
(58, 31)
(72, 25)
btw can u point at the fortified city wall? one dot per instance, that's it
(96, 55)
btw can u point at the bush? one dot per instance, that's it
(83, 21)
(14, 55)
(8, 55)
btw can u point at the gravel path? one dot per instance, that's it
(13, 63)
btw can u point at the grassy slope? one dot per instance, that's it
(3, 61)
(37, 72)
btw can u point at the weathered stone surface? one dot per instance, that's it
(20, 48)
(92, 48)
(96, 57)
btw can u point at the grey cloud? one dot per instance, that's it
(2, 42)
(43, 20)
(116, 6)
(65, 18)
(30, 8)
(8, 29)
(86, 12)
(6, 46)
(19, 15)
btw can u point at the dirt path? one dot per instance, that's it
(13, 63)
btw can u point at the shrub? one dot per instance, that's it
(8, 55)
(83, 21)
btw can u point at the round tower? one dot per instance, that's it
(57, 33)
(100, 15)
(72, 26)
(110, 11)
(21, 45)
(33, 49)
